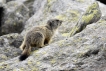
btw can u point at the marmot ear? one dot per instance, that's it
(49, 22)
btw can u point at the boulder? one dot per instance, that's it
(9, 46)
(15, 16)
(92, 14)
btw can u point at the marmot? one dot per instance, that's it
(38, 37)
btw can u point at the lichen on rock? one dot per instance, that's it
(92, 15)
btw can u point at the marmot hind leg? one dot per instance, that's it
(41, 43)
(26, 52)
(47, 41)
(22, 45)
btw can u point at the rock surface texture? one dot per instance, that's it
(83, 51)
(92, 14)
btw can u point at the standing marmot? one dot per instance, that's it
(38, 37)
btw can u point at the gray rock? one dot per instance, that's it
(91, 15)
(85, 51)
(15, 15)
(29, 5)
(2, 1)
(9, 46)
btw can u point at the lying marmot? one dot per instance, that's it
(38, 37)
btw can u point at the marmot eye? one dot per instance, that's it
(57, 20)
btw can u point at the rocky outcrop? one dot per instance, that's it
(92, 14)
(9, 46)
(84, 51)
(15, 16)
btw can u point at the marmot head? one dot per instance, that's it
(54, 23)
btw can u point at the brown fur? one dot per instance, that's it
(38, 37)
